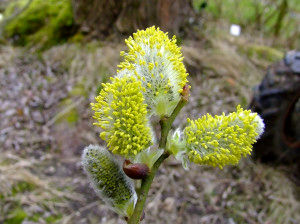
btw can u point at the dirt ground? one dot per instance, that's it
(46, 122)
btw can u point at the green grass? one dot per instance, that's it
(21, 187)
(71, 116)
(16, 216)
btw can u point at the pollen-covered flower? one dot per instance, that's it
(108, 180)
(222, 140)
(156, 61)
(121, 112)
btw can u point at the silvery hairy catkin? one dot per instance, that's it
(108, 179)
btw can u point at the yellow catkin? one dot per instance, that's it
(222, 140)
(121, 112)
(158, 61)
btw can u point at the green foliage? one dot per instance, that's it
(255, 14)
(71, 115)
(232, 10)
(79, 90)
(262, 52)
(22, 186)
(16, 216)
(53, 218)
(35, 217)
(44, 22)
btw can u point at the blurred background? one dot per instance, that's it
(54, 55)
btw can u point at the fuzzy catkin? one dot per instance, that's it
(108, 180)
(121, 112)
(222, 140)
(156, 61)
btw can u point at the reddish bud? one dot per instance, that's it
(185, 92)
(135, 170)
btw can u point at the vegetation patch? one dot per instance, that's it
(25, 195)
(271, 18)
(16, 216)
(261, 55)
(43, 22)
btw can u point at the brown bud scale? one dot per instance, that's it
(185, 92)
(135, 170)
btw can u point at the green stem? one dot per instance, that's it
(166, 124)
(146, 184)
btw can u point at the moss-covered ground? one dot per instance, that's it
(41, 24)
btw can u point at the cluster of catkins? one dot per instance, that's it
(147, 86)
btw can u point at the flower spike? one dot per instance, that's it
(121, 112)
(156, 61)
(222, 140)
